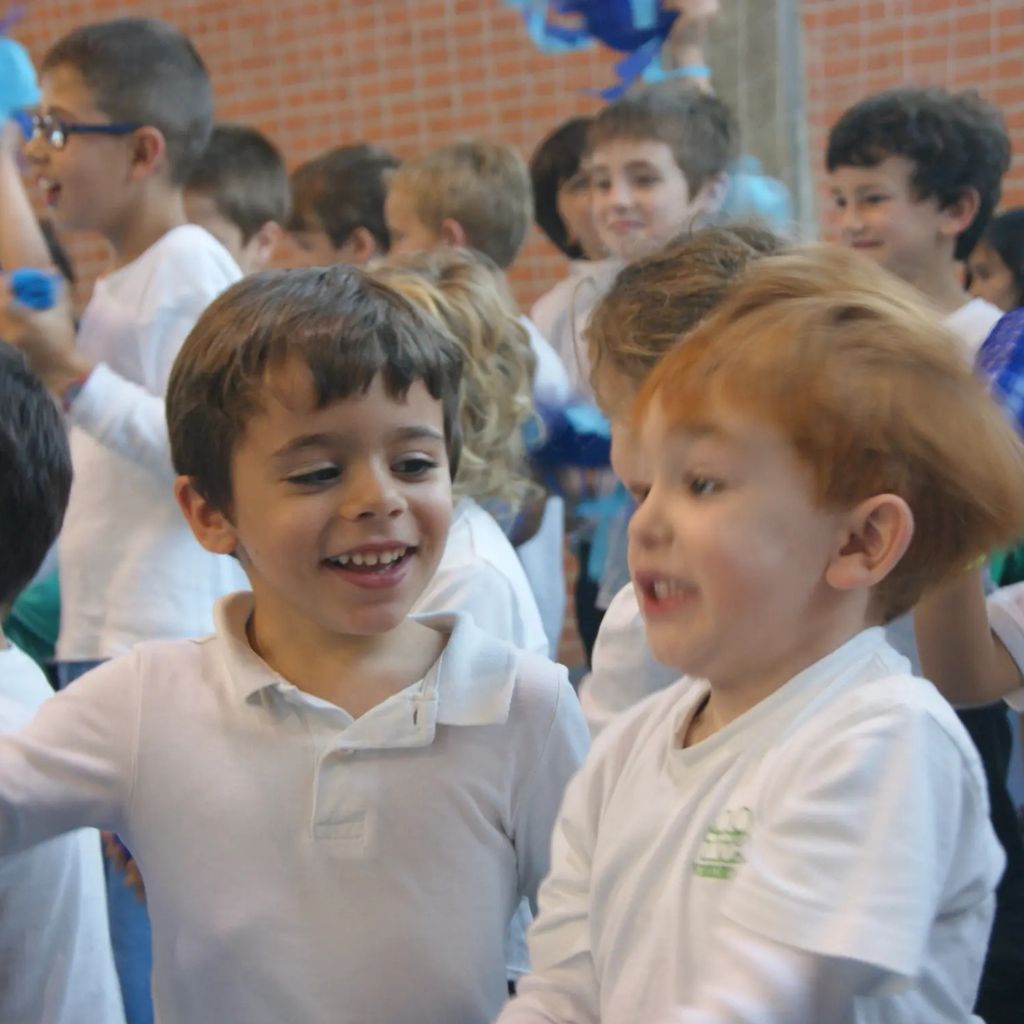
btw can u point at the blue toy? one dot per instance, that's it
(637, 28)
(18, 85)
(35, 289)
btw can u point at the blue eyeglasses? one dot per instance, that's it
(56, 132)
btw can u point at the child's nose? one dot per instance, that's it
(371, 493)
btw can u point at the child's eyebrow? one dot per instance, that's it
(328, 440)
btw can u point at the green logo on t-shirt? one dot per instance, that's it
(721, 849)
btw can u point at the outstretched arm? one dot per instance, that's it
(685, 46)
(959, 652)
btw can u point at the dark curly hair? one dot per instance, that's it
(1005, 234)
(555, 161)
(955, 141)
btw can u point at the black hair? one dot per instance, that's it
(35, 473)
(956, 141)
(145, 71)
(556, 160)
(1005, 234)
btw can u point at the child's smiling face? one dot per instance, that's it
(341, 513)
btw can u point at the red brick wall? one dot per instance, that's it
(408, 74)
(411, 74)
(854, 47)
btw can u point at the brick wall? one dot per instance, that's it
(854, 47)
(411, 74)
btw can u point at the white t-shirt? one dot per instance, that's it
(550, 380)
(481, 575)
(56, 964)
(623, 670)
(563, 312)
(303, 866)
(845, 816)
(130, 568)
(972, 323)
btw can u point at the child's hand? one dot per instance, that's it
(47, 337)
(118, 854)
(695, 18)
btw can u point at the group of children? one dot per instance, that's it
(310, 574)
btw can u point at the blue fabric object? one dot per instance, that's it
(1000, 362)
(605, 512)
(752, 195)
(36, 289)
(575, 436)
(18, 85)
(637, 28)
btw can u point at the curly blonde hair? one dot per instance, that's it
(464, 291)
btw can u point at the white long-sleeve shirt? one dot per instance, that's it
(130, 569)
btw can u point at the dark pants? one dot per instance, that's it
(1001, 995)
(588, 615)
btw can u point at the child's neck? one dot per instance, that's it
(157, 212)
(940, 284)
(354, 672)
(727, 700)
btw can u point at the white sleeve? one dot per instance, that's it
(537, 805)
(563, 988)
(754, 980)
(491, 601)
(129, 418)
(1006, 617)
(72, 766)
(878, 824)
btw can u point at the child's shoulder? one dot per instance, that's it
(185, 267)
(887, 707)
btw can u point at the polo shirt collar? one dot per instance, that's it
(472, 684)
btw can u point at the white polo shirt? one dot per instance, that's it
(846, 816)
(481, 575)
(302, 866)
(56, 964)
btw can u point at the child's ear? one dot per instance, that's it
(453, 233)
(958, 215)
(874, 536)
(148, 149)
(262, 246)
(359, 248)
(209, 524)
(712, 194)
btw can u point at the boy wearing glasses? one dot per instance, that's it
(126, 112)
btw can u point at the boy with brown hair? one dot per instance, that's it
(338, 205)
(652, 306)
(916, 175)
(238, 191)
(797, 830)
(336, 806)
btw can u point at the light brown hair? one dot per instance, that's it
(484, 186)
(875, 396)
(464, 292)
(698, 127)
(658, 299)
